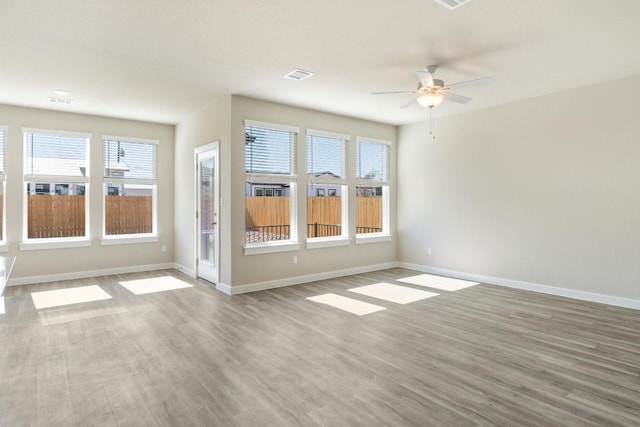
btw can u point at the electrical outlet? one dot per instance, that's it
(295, 259)
(428, 251)
(164, 248)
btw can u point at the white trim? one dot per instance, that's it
(85, 274)
(126, 239)
(185, 270)
(272, 126)
(57, 132)
(535, 287)
(56, 179)
(363, 239)
(373, 140)
(341, 136)
(327, 242)
(4, 128)
(267, 248)
(224, 288)
(241, 289)
(128, 139)
(55, 243)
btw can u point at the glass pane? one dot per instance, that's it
(55, 214)
(368, 209)
(269, 151)
(371, 160)
(267, 217)
(55, 155)
(325, 157)
(128, 209)
(207, 214)
(324, 210)
(135, 160)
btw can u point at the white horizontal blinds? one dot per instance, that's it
(372, 162)
(53, 157)
(326, 158)
(269, 151)
(3, 132)
(132, 161)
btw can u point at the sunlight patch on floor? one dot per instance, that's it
(347, 304)
(438, 282)
(393, 293)
(60, 297)
(155, 284)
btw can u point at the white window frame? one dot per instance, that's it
(342, 239)
(292, 243)
(55, 242)
(3, 175)
(117, 239)
(385, 234)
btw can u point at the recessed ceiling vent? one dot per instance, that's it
(452, 4)
(298, 74)
(60, 101)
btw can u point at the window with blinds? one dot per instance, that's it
(372, 186)
(3, 132)
(270, 166)
(129, 178)
(56, 177)
(326, 184)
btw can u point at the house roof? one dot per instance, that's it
(160, 62)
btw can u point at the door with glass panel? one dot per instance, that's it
(207, 212)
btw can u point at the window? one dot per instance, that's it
(3, 132)
(270, 165)
(129, 185)
(372, 187)
(55, 169)
(326, 175)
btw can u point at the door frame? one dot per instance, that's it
(215, 147)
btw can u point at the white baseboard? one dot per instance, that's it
(182, 269)
(261, 286)
(545, 289)
(85, 274)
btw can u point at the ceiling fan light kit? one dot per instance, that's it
(430, 100)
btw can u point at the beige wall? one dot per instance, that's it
(97, 257)
(252, 269)
(545, 191)
(209, 124)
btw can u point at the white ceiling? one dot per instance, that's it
(159, 60)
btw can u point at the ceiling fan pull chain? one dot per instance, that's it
(431, 123)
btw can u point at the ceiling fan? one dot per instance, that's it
(431, 92)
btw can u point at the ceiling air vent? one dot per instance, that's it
(298, 74)
(60, 101)
(452, 4)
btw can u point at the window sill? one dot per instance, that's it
(266, 248)
(328, 242)
(60, 243)
(4, 247)
(364, 239)
(126, 239)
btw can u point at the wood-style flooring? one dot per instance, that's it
(483, 355)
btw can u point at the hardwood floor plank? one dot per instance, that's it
(479, 356)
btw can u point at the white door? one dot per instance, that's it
(207, 212)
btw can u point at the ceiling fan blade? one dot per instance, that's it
(409, 104)
(393, 91)
(472, 83)
(456, 98)
(426, 78)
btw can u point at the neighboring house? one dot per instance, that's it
(266, 189)
(73, 167)
(320, 188)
